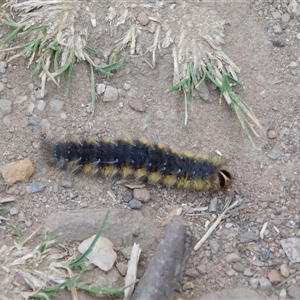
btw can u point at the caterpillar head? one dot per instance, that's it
(225, 178)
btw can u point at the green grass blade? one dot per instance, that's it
(38, 28)
(100, 291)
(178, 85)
(39, 65)
(18, 233)
(44, 244)
(70, 73)
(90, 48)
(13, 34)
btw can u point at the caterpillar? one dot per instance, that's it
(140, 159)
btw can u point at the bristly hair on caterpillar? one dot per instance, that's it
(141, 160)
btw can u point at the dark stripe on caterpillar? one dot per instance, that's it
(140, 159)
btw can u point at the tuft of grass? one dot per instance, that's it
(18, 234)
(100, 291)
(50, 52)
(217, 74)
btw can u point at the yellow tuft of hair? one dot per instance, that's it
(109, 171)
(144, 142)
(169, 180)
(87, 168)
(89, 141)
(126, 171)
(140, 172)
(154, 177)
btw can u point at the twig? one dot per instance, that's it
(217, 222)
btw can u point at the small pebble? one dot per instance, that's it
(41, 105)
(272, 134)
(135, 204)
(127, 198)
(21, 216)
(232, 257)
(34, 187)
(142, 18)
(142, 195)
(110, 94)
(66, 184)
(192, 272)
(55, 187)
(230, 273)
(201, 269)
(264, 254)
(13, 211)
(137, 104)
(274, 276)
(238, 267)
(254, 282)
(274, 154)
(100, 88)
(28, 223)
(214, 246)
(248, 272)
(188, 286)
(294, 291)
(284, 270)
(264, 283)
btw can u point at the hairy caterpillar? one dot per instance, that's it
(140, 159)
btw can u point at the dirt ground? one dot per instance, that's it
(268, 186)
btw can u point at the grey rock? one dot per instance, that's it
(55, 187)
(135, 204)
(201, 269)
(192, 272)
(21, 216)
(294, 291)
(100, 88)
(285, 18)
(56, 105)
(214, 246)
(232, 257)
(78, 225)
(110, 94)
(28, 223)
(284, 270)
(276, 15)
(2, 86)
(122, 268)
(264, 283)
(264, 254)
(248, 272)
(254, 282)
(188, 286)
(238, 267)
(203, 91)
(142, 195)
(3, 66)
(294, 9)
(34, 187)
(13, 211)
(274, 154)
(277, 29)
(291, 247)
(41, 105)
(230, 273)
(284, 131)
(66, 184)
(5, 107)
(247, 237)
(127, 198)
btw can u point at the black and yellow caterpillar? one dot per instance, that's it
(142, 160)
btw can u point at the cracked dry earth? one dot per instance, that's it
(262, 38)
